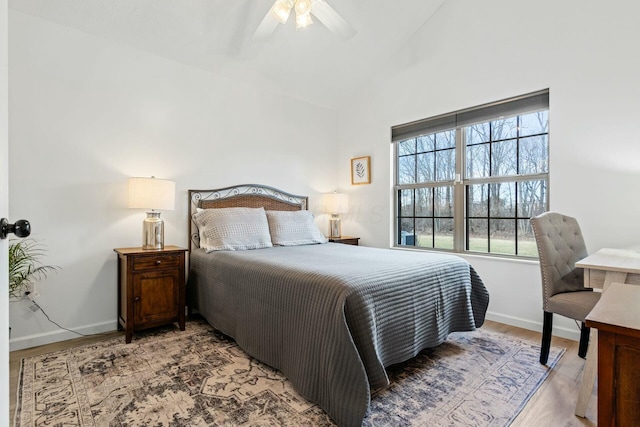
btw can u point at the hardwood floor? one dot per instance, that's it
(552, 405)
(555, 401)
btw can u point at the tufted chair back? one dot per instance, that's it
(560, 246)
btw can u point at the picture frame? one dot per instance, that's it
(361, 170)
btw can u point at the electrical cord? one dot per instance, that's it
(39, 307)
(55, 323)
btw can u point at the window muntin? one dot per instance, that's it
(504, 167)
(427, 158)
(426, 217)
(497, 219)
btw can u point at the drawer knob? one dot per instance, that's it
(136, 299)
(158, 262)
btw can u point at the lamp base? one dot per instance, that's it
(153, 231)
(334, 227)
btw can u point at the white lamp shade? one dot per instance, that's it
(303, 7)
(281, 10)
(152, 193)
(335, 203)
(303, 21)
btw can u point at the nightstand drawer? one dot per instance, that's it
(155, 262)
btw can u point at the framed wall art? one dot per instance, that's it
(361, 170)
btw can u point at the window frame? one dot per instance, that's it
(461, 183)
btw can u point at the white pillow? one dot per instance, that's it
(232, 229)
(293, 228)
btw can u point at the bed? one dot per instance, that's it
(329, 316)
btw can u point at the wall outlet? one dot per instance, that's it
(30, 289)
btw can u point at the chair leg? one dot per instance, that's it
(547, 325)
(584, 341)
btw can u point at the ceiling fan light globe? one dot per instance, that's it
(281, 10)
(303, 7)
(303, 20)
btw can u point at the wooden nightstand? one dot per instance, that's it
(151, 288)
(347, 240)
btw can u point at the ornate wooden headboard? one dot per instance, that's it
(246, 196)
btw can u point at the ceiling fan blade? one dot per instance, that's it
(332, 20)
(266, 27)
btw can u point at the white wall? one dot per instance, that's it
(474, 52)
(86, 114)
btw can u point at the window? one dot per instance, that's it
(470, 181)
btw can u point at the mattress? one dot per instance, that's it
(331, 317)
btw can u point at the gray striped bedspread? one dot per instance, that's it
(330, 317)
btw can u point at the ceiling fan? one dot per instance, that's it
(303, 9)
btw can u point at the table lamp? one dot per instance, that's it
(335, 204)
(155, 194)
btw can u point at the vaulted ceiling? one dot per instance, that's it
(312, 64)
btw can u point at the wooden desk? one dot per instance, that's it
(617, 318)
(607, 266)
(601, 269)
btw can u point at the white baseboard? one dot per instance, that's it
(559, 331)
(60, 335)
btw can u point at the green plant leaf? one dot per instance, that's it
(25, 266)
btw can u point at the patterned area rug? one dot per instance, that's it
(201, 378)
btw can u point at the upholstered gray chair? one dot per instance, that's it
(560, 246)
